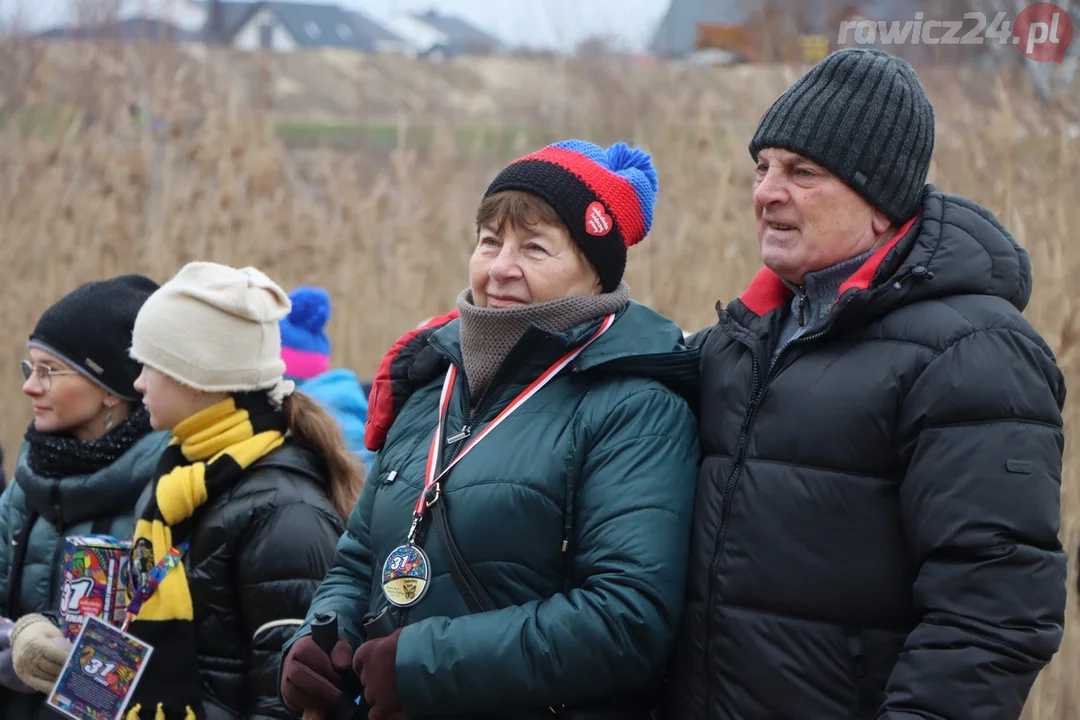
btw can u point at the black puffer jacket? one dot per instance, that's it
(257, 556)
(877, 514)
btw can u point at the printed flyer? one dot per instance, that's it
(99, 677)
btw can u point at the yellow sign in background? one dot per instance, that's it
(814, 47)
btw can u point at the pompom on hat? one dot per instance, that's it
(215, 328)
(305, 347)
(604, 197)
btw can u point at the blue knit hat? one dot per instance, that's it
(605, 197)
(305, 347)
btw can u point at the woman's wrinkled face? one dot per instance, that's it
(64, 400)
(529, 264)
(168, 401)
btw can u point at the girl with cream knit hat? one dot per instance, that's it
(248, 501)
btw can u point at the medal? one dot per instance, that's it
(144, 576)
(406, 571)
(405, 575)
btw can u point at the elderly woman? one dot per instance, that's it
(522, 542)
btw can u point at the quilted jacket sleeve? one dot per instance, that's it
(981, 504)
(10, 517)
(286, 554)
(699, 338)
(612, 634)
(409, 364)
(347, 586)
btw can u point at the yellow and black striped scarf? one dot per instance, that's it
(208, 454)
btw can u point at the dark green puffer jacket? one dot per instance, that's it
(98, 503)
(603, 458)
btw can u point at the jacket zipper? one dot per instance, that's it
(487, 399)
(58, 551)
(858, 661)
(740, 456)
(917, 273)
(457, 440)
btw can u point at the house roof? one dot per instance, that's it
(235, 14)
(131, 29)
(314, 25)
(369, 32)
(311, 24)
(417, 33)
(461, 34)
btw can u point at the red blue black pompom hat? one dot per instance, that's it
(605, 197)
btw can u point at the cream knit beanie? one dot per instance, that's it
(214, 328)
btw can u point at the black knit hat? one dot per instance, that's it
(90, 330)
(863, 115)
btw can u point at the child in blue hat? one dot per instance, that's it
(305, 348)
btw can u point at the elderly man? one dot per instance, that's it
(877, 514)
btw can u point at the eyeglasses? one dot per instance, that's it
(43, 373)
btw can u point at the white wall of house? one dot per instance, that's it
(418, 35)
(249, 36)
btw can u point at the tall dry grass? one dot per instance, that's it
(389, 235)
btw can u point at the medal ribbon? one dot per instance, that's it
(139, 595)
(432, 474)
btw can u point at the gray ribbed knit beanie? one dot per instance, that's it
(862, 114)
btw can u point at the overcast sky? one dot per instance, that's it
(534, 23)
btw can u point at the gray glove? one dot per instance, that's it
(8, 678)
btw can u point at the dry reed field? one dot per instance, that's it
(389, 232)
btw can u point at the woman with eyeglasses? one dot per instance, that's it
(87, 456)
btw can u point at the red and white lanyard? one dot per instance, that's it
(432, 475)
